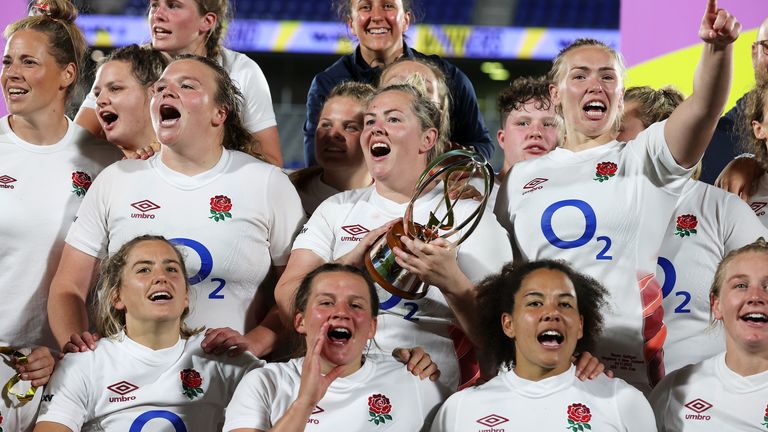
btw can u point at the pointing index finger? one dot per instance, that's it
(711, 6)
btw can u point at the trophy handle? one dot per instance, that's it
(446, 164)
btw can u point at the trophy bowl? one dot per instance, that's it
(455, 169)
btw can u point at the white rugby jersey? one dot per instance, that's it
(707, 224)
(759, 200)
(258, 113)
(41, 188)
(125, 386)
(605, 211)
(232, 222)
(344, 219)
(563, 402)
(16, 416)
(381, 396)
(708, 396)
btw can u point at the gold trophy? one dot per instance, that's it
(455, 169)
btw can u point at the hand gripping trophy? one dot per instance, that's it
(455, 169)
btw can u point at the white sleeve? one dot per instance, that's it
(233, 369)
(486, 249)
(445, 419)
(634, 410)
(286, 213)
(506, 204)
(89, 101)
(89, 232)
(430, 397)
(741, 226)
(659, 399)
(317, 234)
(251, 405)
(258, 113)
(65, 400)
(650, 146)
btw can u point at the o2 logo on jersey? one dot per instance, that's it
(143, 419)
(206, 266)
(670, 278)
(589, 230)
(394, 300)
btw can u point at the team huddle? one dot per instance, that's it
(162, 273)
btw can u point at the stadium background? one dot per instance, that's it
(492, 41)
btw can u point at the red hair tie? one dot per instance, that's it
(40, 9)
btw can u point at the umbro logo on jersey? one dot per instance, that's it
(354, 231)
(122, 388)
(492, 421)
(534, 185)
(698, 406)
(5, 182)
(317, 410)
(758, 207)
(144, 206)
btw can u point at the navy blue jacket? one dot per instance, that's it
(725, 144)
(467, 124)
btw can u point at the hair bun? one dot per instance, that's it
(56, 9)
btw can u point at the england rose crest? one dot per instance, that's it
(221, 206)
(765, 418)
(190, 383)
(80, 183)
(604, 171)
(686, 225)
(379, 408)
(579, 417)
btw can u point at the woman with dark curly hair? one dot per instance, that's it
(536, 316)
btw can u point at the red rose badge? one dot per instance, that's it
(604, 171)
(379, 408)
(80, 183)
(191, 382)
(765, 418)
(686, 225)
(579, 417)
(220, 208)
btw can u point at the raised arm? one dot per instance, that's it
(690, 127)
(67, 313)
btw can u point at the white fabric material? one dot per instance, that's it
(342, 220)
(227, 260)
(16, 416)
(122, 382)
(687, 268)
(710, 397)
(759, 200)
(611, 230)
(508, 402)
(258, 113)
(263, 396)
(313, 192)
(38, 204)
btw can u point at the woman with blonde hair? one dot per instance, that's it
(603, 205)
(149, 366)
(47, 164)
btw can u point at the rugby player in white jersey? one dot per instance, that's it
(603, 205)
(335, 386)
(536, 316)
(730, 390)
(149, 368)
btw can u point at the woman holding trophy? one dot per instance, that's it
(400, 138)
